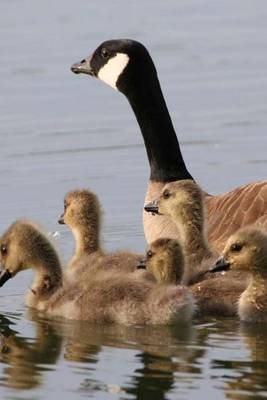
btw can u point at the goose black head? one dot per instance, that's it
(121, 63)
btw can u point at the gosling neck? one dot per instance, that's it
(258, 284)
(173, 276)
(170, 276)
(195, 243)
(254, 299)
(49, 277)
(87, 240)
(162, 146)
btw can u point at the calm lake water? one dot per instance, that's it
(60, 132)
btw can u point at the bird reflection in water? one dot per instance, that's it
(244, 378)
(24, 358)
(161, 354)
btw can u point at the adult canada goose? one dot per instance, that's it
(82, 214)
(218, 296)
(246, 250)
(109, 297)
(127, 66)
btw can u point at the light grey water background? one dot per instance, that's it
(60, 131)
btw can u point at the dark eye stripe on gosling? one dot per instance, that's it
(127, 66)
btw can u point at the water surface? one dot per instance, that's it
(60, 132)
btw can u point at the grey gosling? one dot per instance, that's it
(82, 214)
(246, 250)
(217, 297)
(165, 261)
(108, 298)
(183, 203)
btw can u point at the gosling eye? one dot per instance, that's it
(149, 254)
(65, 206)
(3, 249)
(105, 53)
(236, 247)
(166, 194)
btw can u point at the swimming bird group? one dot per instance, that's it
(206, 255)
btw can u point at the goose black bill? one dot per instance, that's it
(61, 220)
(152, 207)
(141, 264)
(5, 275)
(83, 67)
(220, 265)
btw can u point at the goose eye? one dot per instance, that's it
(236, 247)
(104, 53)
(149, 254)
(3, 249)
(166, 194)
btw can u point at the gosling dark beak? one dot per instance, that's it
(220, 265)
(141, 264)
(152, 207)
(83, 67)
(61, 220)
(4, 276)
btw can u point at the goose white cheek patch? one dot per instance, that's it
(111, 71)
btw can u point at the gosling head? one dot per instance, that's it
(23, 246)
(246, 250)
(165, 260)
(179, 199)
(121, 63)
(81, 209)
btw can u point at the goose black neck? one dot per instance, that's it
(162, 146)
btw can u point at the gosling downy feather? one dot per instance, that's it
(24, 246)
(127, 66)
(109, 297)
(165, 261)
(82, 214)
(246, 250)
(217, 297)
(182, 201)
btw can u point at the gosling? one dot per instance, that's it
(217, 297)
(109, 297)
(165, 261)
(182, 201)
(246, 250)
(82, 214)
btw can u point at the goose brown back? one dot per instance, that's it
(226, 213)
